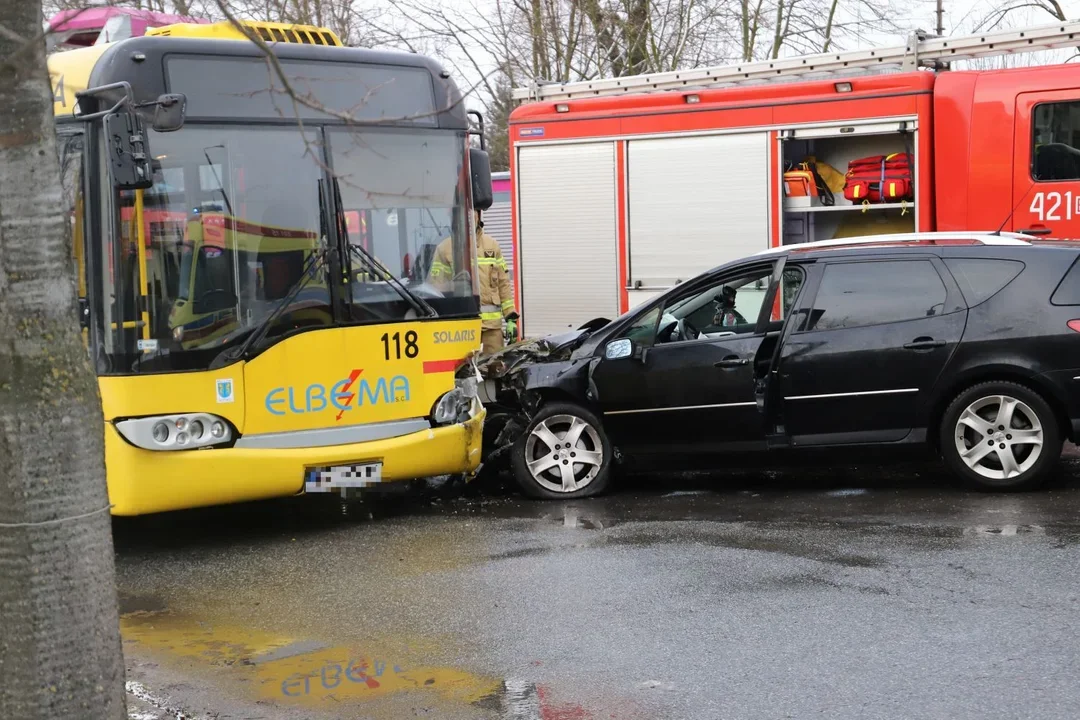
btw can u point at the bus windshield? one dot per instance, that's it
(403, 194)
(236, 231)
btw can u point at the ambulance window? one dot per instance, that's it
(213, 271)
(1056, 141)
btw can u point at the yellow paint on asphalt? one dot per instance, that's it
(294, 670)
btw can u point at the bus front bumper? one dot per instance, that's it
(147, 481)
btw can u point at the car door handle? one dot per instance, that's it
(1035, 231)
(732, 361)
(924, 343)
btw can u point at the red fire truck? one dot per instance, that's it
(624, 187)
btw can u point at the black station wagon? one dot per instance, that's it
(964, 343)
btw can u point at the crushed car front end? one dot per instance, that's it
(519, 379)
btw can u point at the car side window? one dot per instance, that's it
(981, 278)
(790, 284)
(643, 329)
(874, 293)
(730, 307)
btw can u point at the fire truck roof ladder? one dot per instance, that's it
(921, 51)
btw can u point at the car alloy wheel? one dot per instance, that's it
(999, 437)
(564, 453)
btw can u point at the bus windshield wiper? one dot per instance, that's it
(369, 262)
(366, 259)
(258, 331)
(213, 169)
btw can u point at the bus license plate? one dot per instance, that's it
(329, 479)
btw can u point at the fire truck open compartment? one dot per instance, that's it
(837, 146)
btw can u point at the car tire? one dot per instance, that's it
(551, 473)
(984, 453)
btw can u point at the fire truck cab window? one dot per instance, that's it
(1056, 141)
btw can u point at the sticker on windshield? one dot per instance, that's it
(147, 346)
(225, 391)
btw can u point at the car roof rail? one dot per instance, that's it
(930, 238)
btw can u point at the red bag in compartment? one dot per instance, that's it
(880, 178)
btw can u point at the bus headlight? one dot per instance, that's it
(458, 405)
(186, 431)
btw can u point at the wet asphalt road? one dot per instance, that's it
(868, 593)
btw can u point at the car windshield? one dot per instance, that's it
(234, 229)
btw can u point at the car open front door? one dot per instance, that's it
(690, 388)
(873, 339)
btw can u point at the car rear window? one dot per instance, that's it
(981, 278)
(1068, 290)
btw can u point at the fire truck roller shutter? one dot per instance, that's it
(695, 202)
(497, 225)
(567, 236)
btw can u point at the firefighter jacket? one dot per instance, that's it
(496, 298)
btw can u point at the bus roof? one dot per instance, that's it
(229, 80)
(142, 62)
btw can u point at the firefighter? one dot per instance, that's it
(726, 315)
(496, 299)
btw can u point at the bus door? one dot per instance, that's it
(1046, 171)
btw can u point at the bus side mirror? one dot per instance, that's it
(480, 165)
(128, 151)
(84, 313)
(170, 111)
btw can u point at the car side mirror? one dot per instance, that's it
(480, 167)
(170, 111)
(128, 150)
(619, 349)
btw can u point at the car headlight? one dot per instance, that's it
(458, 405)
(186, 431)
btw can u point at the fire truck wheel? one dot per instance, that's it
(1000, 436)
(564, 453)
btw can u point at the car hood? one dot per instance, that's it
(551, 348)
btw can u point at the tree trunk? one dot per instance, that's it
(606, 41)
(60, 653)
(827, 44)
(636, 36)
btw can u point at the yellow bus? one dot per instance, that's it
(248, 343)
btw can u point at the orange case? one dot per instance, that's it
(799, 183)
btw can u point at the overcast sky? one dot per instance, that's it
(960, 17)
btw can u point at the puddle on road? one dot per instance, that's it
(1004, 530)
(281, 670)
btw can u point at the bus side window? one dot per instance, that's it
(71, 179)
